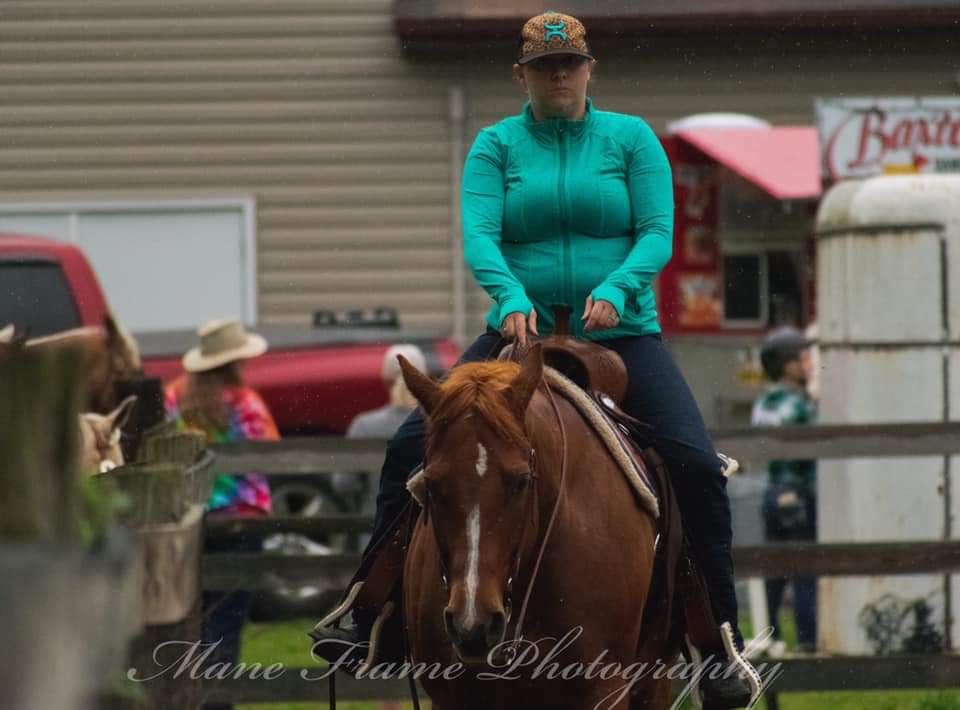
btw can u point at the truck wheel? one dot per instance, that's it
(284, 600)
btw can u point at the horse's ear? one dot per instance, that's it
(110, 325)
(420, 385)
(526, 382)
(122, 343)
(119, 416)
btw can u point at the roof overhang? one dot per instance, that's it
(418, 21)
(784, 161)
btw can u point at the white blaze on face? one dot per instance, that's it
(481, 460)
(473, 564)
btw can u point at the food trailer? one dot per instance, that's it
(746, 197)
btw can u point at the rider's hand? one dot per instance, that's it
(515, 325)
(599, 315)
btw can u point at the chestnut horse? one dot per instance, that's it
(112, 356)
(493, 473)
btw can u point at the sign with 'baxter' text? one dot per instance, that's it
(875, 136)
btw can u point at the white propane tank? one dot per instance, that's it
(888, 303)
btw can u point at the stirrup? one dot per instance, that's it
(341, 609)
(743, 667)
(730, 465)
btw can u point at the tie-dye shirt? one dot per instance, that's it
(248, 419)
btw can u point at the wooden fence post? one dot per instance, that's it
(167, 513)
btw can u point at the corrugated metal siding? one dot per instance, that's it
(305, 104)
(309, 106)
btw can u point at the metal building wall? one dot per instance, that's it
(345, 143)
(304, 104)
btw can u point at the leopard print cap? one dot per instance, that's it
(552, 33)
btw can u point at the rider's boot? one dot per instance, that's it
(727, 680)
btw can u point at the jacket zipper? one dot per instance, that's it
(566, 285)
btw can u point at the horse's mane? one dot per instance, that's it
(478, 388)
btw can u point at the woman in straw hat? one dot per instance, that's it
(565, 203)
(212, 398)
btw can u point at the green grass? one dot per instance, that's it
(287, 643)
(854, 699)
(283, 642)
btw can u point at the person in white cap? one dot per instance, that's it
(213, 398)
(383, 422)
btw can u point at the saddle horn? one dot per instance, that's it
(561, 319)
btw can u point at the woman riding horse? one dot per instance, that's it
(566, 203)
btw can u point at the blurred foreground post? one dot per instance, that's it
(68, 591)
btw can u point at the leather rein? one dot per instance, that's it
(510, 651)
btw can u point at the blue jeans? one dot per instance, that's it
(804, 588)
(225, 613)
(658, 395)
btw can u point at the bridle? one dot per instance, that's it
(510, 651)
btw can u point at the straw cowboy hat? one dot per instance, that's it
(221, 342)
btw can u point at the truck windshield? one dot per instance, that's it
(35, 296)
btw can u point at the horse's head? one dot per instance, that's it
(100, 436)
(479, 475)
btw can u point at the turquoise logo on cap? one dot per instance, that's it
(555, 30)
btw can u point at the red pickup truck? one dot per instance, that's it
(315, 380)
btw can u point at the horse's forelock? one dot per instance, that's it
(478, 388)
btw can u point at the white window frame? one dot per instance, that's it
(246, 203)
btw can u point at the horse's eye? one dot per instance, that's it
(516, 484)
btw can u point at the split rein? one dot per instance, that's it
(511, 652)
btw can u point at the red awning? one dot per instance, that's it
(784, 161)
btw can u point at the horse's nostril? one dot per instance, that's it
(495, 629)
(448, 624)
(476, 640)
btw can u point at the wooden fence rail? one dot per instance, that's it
(332, 454)
(310, 526)
(817, 673)
(253, 571)
(808, 674)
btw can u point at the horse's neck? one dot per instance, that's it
(577, 451)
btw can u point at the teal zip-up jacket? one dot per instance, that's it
(556, 210)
